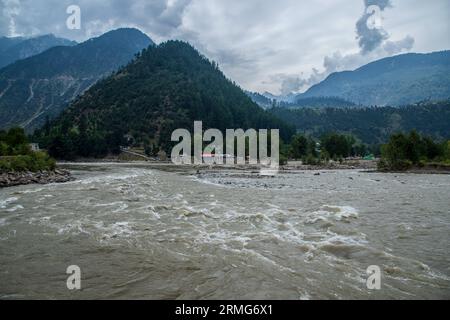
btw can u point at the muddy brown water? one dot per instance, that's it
(137, 232)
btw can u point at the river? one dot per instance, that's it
(138, 232)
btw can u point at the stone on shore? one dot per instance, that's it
(9, 179)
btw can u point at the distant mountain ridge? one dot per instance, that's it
(260, 99)
(395, 81)
(42, 85)
(289, 98)
(321, 102)
(18, 48)
(313, 102)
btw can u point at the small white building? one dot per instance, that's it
(34, 147)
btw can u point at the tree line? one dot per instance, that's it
(330, 146)
(404, 151)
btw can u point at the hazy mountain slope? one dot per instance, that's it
(167, 87)
(314, 102)
(260, 99)
(43, 85)
(17, 48)
(322, 102)
(398, 80)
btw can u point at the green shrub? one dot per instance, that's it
(4, 149)
(283, 160)
(16, 154)
(36, 161)
(404, 151)
(311, 160)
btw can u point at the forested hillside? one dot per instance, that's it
(371, 125)
(165, 88)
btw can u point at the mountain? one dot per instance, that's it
(394, 81)
(314, 102)
(167, 87)
(260, 100)
(17, 48)
(289, 98)
(7, 42)
(41, 86)
(372, 125)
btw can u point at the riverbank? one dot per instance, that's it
(333, 165)
(10, 179)
(430, 168)
(291, 166)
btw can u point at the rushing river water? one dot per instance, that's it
(139, 232)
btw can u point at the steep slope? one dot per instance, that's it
(395, 81)
(41, 86)
(167, 87)
(17, 48)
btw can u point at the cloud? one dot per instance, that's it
(160, 17)
(273, 45)
(4, 20)
(394, 47)
(294, 83)
(373, 42)
(373, 45)
(338, 62)
(9, 10)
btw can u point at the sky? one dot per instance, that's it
(279, 46)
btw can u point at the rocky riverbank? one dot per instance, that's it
(431, 168)
(9, 179)
(332, 165)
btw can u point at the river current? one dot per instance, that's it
(139, 232)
